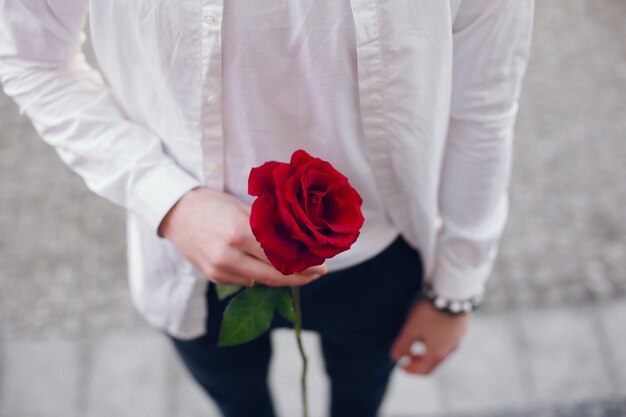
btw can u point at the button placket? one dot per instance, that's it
(212, 137)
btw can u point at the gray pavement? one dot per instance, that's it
(549, 341)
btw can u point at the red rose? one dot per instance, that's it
(306, 212)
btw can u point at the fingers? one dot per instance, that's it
(417, 363)
(235, 267)
(264, 273)
(422, 363)
(247, 208)
(316, 270)
(221, 243)
(251, 246)
(224, 277)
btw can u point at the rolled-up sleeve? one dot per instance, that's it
(43, 69)
(491, 44)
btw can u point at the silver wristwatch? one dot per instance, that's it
(452, 307)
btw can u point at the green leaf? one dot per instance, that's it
(284, 305)
(226, 290)
(247, 316)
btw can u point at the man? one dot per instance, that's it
(414, 101)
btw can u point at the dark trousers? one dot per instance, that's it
(356, 311)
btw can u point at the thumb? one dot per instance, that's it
(402, 345)
(246, 208)
(321, 269)
(253, 247)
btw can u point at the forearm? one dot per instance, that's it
(73, 110)
(474, 207)
(491, 44)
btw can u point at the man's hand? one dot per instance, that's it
(212, 230)
(440, 333)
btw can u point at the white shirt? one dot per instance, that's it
(438, 87)
(289, 81)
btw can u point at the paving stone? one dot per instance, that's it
(40, 379)
(485, 373)
(564, 356)
(613, 320)
(411, 395)
(128, 376)
(605, 408)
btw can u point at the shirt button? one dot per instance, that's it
(212, 99)
(213, 167)
(211, 19)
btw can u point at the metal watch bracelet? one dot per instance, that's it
(453, 307)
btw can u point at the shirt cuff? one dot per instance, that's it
(159, 192)
(456, 283)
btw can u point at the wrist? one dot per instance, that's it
(165, 226)
(450, 306)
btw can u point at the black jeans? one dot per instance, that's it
(356, 311)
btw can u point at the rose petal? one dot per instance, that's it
(314, 215)
(326, 251)
(286, 254)
(269, 230)
(301, 162)
(316, 181)
(343, 208)
(295, 208)
(315, 208)
(320, 238)
(261, 179)
(288, 201)
(285, 194)
(306, 260)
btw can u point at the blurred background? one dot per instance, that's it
(550, 339)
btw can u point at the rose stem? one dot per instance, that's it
(298, 328)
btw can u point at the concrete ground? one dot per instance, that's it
(549, 341)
